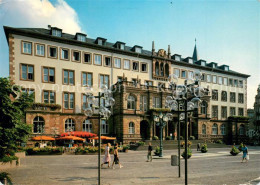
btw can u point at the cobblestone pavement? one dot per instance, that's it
(215, 167)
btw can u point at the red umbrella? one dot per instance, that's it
(70, 138)
(79, 134)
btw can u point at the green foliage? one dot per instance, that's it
(52, 106)
(3, 176)
(13, 129)
(126, 147)
(204, 148)
(234, 151)
(192, 138)
(8, 158)
(219, 141)
(155, 137)
(140, 143)
(157, 150)
(189, 152)
(168, 138)
(240, 147)
(43, 151)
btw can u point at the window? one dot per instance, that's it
(48, 75)
(157, 68)
(104, 127)
(148, 83)
(223, 129)
(103, 80)
(213, 65)
(69, 125)
(30, 92)
(241, 130)
(68, 100)
(40, 50)
(224, 96)
(131, 102)
(56, 32)
(214, 94)
(225, 81)
(100, 42)
(48, 97)
(156, 102)
(87, 79)
(108, 61)
(97, 59)
(235, 83)
(87, 58)
(131, 128)
(126, 64)
(117, 62)
(232, 97)
(215, 129)
(190, 75)
(240, 98)
(240, 112)
(204, 129)
(143, 103)
(214, 111)
(143, 67)
(162, 69)
(190, 61)
(87, 126)
(26, 48)
(231, 82)
(203, 78)
(240, 83)
(138, 50)
(27, 72)
(84, 102)
(209, 78)
(203, 63)
(38, 125)
(183, 74)
(220, 80)
(64, 54)
(81, 38)
(177, 58)
(68, 77)
(76, 56)
(226, 68)
(204, 107)
(53, 52)
(177, 72)
(122, 46)
(214, 79)
(135, 66)
(232, 111)
(223, 112)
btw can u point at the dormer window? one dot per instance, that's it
(226, 68)
(177, 58)
(56, 32)
(190, 61)
(81, 37)
(213, 65)
(138, 50)
(100, 41)
(122, 46)
(203, 63)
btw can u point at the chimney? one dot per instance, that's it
(153, 50)
(169, 51)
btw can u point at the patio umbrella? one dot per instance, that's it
(103, 138)
(79, 134)
(70, 138)
(43, 138)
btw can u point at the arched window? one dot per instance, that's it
(203, 107)
(87, 126)
(242, 130)
(131, 102)
(166, 70)
(215, 129)
(157, 68)
(38, 125)
(204, 129)
(104, 127)
(131, 128)
(223, 129)
(69, 125)
(162, 69)
(224, 96)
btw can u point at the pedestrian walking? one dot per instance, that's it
(116, 157)
(149, 155)
(198, 147)
(245, 153)
(107, 158)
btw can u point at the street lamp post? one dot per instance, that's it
(161, 121)
(187, 95)
(101, 103)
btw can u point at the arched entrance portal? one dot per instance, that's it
(144, 130)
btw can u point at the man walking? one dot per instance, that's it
(149, 155)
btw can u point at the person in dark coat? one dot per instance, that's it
(149, 155)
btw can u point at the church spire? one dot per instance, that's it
(195, 53)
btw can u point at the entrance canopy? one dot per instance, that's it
(43, 138)
(79, 134)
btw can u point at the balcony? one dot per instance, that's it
(46, 107)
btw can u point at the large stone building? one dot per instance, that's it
(257, 110)
(56, 66)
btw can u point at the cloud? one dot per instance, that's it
(39, 13)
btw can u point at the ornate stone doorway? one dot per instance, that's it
(144, 130)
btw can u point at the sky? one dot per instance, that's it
(227, 31)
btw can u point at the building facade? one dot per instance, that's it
(257, 110)
(57, 66)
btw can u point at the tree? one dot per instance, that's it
(13, 129)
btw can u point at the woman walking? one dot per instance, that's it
(116, 158)
(107, 158)
(245, 153)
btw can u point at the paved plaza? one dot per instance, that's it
(215, 167)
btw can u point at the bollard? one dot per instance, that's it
(174, 160)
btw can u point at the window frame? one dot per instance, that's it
(63, 103)
(68, 77)
(213, 79)
(131, 130)
(185, 74)
(94, 59)
(68, 50)
(137, 62)
(22, 47)
(114, 62)
(174, 69)
(99, 79)
(210, 77)
(27, 65)
(49, 99)
(57, 51)
(104, 63)
(35, 49)
(72, 55)
(43, 67)
(90, 54)
(132, 104)
(238, 98)
(85, 72)
(141, 68)
(129, 64)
